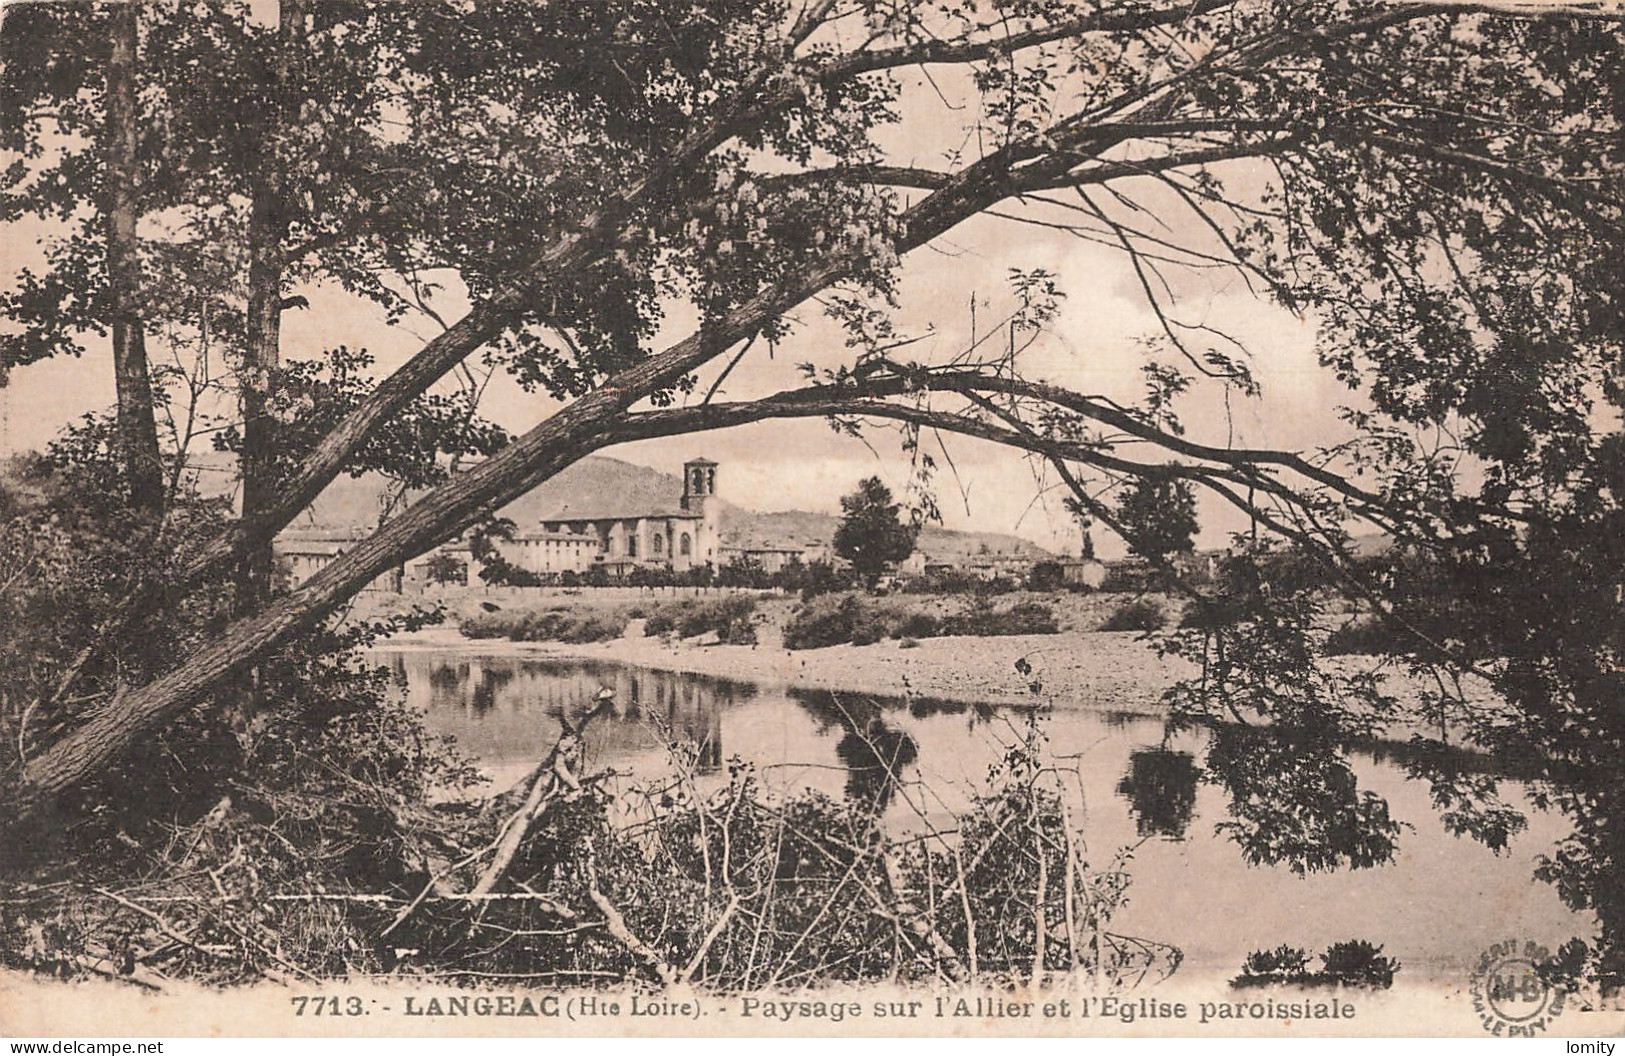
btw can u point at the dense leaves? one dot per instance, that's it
(872, 534)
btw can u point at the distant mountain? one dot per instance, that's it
(597, 487)
(800, 528)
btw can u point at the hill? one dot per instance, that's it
(801, 528)
(598, 486)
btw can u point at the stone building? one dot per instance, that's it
(678, 534)
(616, 532)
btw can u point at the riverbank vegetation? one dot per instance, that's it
(1353, 963)
(731, 619)
(838, 619)
(571, 625)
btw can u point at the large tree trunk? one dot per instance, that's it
(267, 229)
(579, 429)
(137, 429)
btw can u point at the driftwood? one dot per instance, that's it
(552, 779)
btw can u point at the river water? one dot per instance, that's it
(1436, 907)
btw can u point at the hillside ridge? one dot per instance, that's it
(601, 486)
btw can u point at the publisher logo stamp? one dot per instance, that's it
(1510, 993)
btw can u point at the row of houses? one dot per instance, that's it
(606, 533)
(614, 535)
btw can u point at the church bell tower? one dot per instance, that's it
(699, 483)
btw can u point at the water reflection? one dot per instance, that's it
(1160, 788)
(507, 712)
(1436, 906)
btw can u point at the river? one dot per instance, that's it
(1440, 903)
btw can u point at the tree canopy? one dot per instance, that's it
(872, 534)
(1438, 185)
(1159, 517)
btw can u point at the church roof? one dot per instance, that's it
(618, 508)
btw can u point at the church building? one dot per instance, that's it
(620, 533)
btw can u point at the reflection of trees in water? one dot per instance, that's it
(1294, 800)
(1160, 787)
(875, 757)
(874, 751)
(649, 706)
(486, 682)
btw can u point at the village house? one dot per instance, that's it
(301, 555)
(770, 557)
(1083, 572)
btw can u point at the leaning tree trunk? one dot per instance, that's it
(579, 429)
(137, 428)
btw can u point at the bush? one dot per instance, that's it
(1359, 963)
(827, 619)
(730, 618)
(983, 621)
(914, 625)
(1284, 964)
(1141, 614)
(550, 625)
(1367, 636)
(1352, 963)
(839, 618)
(1046, 576)
(487, 625)
(816, 578)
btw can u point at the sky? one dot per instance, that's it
(1096, 345)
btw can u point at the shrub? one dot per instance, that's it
(1352, 963)
(730, 618)
(835, 619)
(1046, 576)
(915, 625)
(1359, 963)
(982, 620)
(486, 625)
(1284, 964)
(868, 625)
(827, 619)
(1367, 636)
(549, 625)
(816, 578)
(663, 620)
(1141, 614)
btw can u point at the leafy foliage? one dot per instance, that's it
(872, 535)
(1158, 517)
(1136, 614)
(730, 618)
(1355, 962)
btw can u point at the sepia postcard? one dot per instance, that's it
(1077, 518)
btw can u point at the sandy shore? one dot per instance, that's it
(1074, 669)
